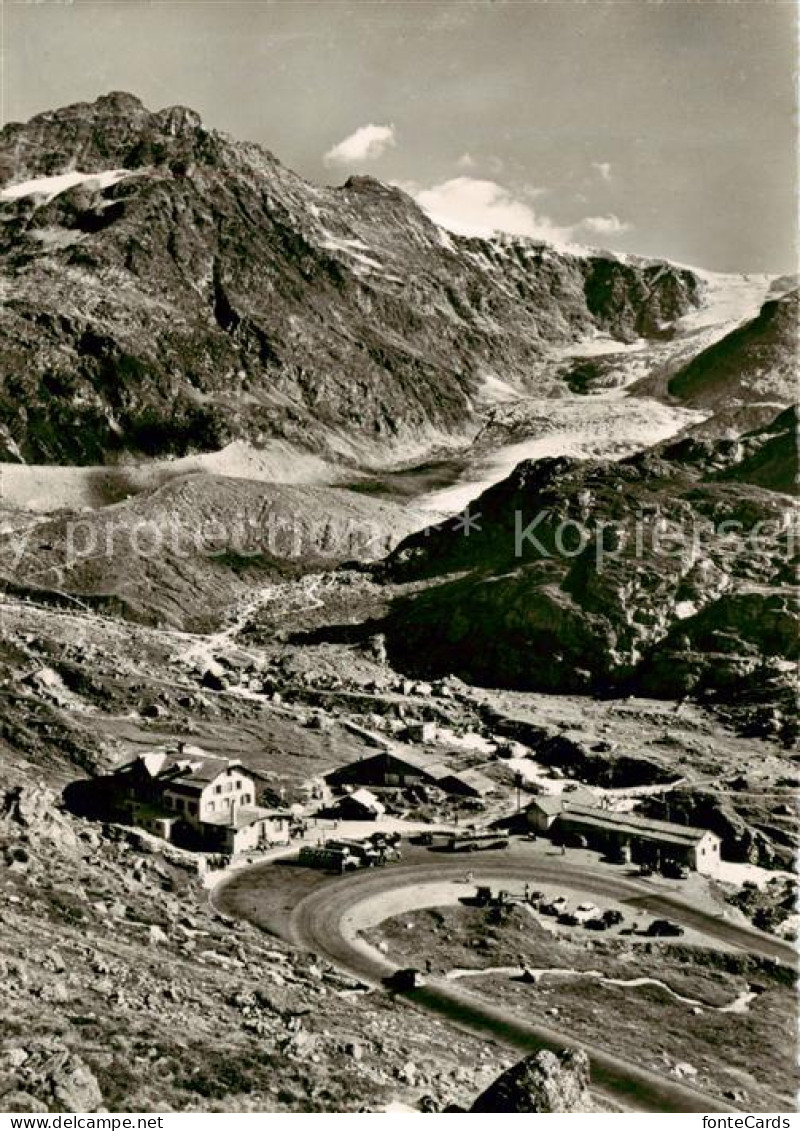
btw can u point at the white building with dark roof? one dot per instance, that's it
(197, 800)
(641, 839)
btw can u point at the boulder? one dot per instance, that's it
(544, 1082)
(51, 1076)
(31, 814)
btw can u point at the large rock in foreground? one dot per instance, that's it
(543, 1082)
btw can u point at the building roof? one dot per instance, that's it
(666, 832)
(189, 769)
(473, 778)
(433, 768)
(245, 815)
(365, 798)
(551, 804)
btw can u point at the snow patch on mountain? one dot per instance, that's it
(50, 187)
(354, 249)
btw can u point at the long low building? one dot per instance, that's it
(642, 840)
(402, 768)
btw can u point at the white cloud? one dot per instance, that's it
(472, 207)
(604, 169)
(610, 225)
(367, 143)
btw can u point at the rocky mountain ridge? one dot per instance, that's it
(669, 572)
(755, 362)
(170, 290)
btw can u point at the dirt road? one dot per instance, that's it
(326, 914)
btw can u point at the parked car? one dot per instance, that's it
(674, 870)
(554, 906)
(645, 870)
(483, 896)
(596, 925)
(664, 928)
(586, 911)
(381, 838)
(568, 919)
(612, 917)
(404, 980)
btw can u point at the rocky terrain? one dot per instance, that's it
(124, 990)
(668, 571)
(238, 415)
(756, 362)
(183, 554)
(186, 290)
(689, 1012)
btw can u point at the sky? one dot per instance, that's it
(663, 128)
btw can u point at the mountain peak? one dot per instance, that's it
(119, 102)
(115, 131)
(362, 182)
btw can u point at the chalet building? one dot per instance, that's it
(400, 768)
(639, 839)
(196, 800)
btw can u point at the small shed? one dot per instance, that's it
(360, 805)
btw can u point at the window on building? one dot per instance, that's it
(210, 806)
(193, 807)
(228, 786)
(239, 783)
(217, 789)
(246, 799)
